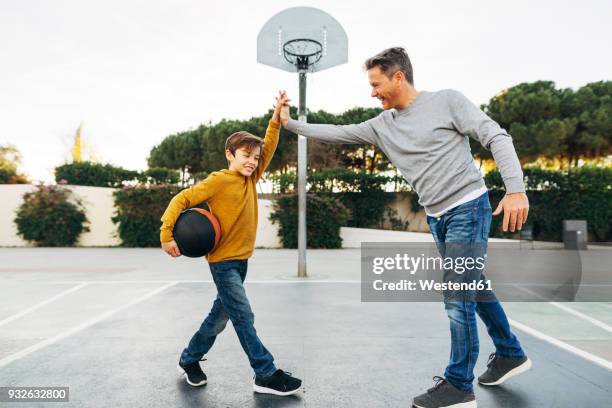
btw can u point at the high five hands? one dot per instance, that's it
(282, 103)
(284, 113)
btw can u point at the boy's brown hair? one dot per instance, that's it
(242, 139)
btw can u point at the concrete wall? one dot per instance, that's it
(98, 202)
(417, 220)
(99, 207)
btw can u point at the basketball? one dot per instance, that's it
(196, 232)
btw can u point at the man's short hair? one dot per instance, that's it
(390, 61)
(242, 139)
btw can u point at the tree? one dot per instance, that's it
(10, 160)
(554, 123)
(591, 108)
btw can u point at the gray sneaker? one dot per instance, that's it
(445, 395)
(499, 369)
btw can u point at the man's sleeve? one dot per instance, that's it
(469, 120)
(361, 133)
(269, 147)
(187, 198)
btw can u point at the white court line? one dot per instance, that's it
(533, 332)
(569, 310)
(282, 281)
(75, 329)
(581, 315)
(562, 345)
(41, 304)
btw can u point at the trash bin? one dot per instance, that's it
(575, 234)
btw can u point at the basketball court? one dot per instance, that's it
(110, 323)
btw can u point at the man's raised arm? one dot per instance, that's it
(361, 133)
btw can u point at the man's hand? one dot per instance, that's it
(284, 113)
(515, 207)
(281, 101)
(171, 248)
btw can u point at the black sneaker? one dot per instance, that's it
(445, 395)
(279, 383)
(193, 373)
(499, 369)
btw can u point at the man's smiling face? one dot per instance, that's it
(384, 88)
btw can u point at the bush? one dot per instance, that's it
(9, 176)
(325, 216)
(362, 193)
(106, 175)
(159, 175)
(93, 174)
(48, 218)
(138, 211)
(580, 193)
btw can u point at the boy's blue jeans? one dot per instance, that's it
(470, 223)
(231, 303)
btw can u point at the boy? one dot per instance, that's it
(232, 197)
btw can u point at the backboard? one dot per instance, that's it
(301, 38)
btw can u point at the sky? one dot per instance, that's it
(133, 71)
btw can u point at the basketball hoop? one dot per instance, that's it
(303, 52)
(302, 40)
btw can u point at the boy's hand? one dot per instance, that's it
(281, 101)
(171, 248)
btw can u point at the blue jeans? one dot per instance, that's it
(469, 224)
(231, 303)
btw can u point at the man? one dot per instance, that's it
(425, 135)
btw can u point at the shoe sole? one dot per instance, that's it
(184, 374)
(515, 371)
(470, 404)
(263, 390)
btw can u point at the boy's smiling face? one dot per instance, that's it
(244, 161)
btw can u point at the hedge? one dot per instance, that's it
(138, 211)
(9, 176)
(580, 193)
(326, 215)
(362, 193)
(106, 175)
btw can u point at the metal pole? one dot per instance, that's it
(302, 174)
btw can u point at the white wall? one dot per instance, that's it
(98, 202)
(266, 231)
(99, 207)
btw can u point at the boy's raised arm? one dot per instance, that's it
(271, 138)
(269, 147)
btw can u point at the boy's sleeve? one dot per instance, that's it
(187, 198)
(270, 144)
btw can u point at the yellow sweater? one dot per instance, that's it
(232, 198)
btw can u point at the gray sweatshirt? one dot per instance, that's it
(428, 143)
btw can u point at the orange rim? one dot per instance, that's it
(214, 222)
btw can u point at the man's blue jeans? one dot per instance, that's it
(469, 223)
(231, 303)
